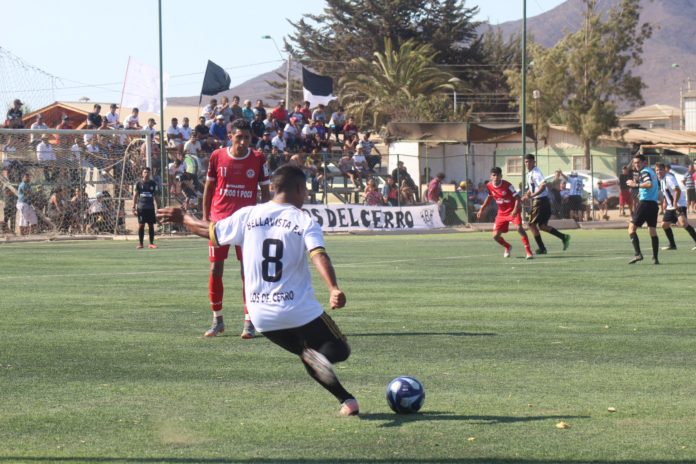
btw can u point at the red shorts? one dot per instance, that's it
(625, 198)
(217, 254)
(502, 222)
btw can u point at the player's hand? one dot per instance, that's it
(337, 299)
(478, 214)
(173, 215)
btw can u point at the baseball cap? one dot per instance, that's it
(18, 102)
(114, 105)
(219, 116)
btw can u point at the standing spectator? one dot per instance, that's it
(144, 206)
(94, 117)
(132, 122)
(112, 117)
(63, 142)
(390, 192)
(259, 109)
(225, 110)
(555, 193)
(305, 111)
(27, 214)
(280, 114)
(248, 111)
(234, 176)
(151, 129)
(401, 176)
(690, 185)
(10, 209)
(14, 115)
(218, 130)
(509, 210)
(39, 124)
(46, 157)
(435, 188)
(368, 145)
(541, 207)
(576, 187)
(601, 200)
(297, 324)
(647, 209)
(58, 208)
(337, 121)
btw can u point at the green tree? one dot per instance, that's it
(393, 83)
(588, 73)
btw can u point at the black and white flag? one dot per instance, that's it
(317, 89)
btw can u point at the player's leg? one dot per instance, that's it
(151, 228)
(517, 221)
(501, 226)
(684, 222)
(667, 229)
(651, 221)
(216, 256)
(249, 331)
(141, 228)
(637, 220)
(543, 223)
(319, 344)
(534, 218)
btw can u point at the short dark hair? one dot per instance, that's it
(639, 156)
(660, 165)
(241, 124)
(287, 178)
(496, 170)
(529, 157)
(146, 168)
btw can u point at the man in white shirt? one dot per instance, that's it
(39, 125)
(46, 157)
(279, 142)
(275, 238)
(541, 206)
(132, 121)
(112, 117)
(674, 203)
(185, 129)
(174, 136)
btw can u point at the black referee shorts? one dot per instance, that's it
(316, 335)
(146, 216)
(541, 211)
(646, 213)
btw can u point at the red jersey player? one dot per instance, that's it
(234, 174)
(508, 201)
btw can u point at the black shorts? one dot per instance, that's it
(314, 334)
(690, 195)
(672, 215)
(575, 203)
(146, 216)
(646, 213)
(541, 211)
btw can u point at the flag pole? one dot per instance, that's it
(163, 151)
(125, 79)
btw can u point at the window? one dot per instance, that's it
(513, 165)
(578, 162)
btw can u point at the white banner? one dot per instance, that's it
(338, 218)
(141, 88)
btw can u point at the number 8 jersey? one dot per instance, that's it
(274, 239)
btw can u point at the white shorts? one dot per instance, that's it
(27, 215)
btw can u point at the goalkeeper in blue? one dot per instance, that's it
(276, 238)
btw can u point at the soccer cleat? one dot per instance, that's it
(218, 328)
(566, 242)
(249, 330)
(506, 254)
(321, 366)
(540, 251)
(529, 256)
(349, 408)
(152, 246)
(635, 259)
(139, 247)
(671, 247)
(655, 261)
(693, 249)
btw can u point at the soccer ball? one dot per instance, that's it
(405, 395)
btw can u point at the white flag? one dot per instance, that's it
(142, 87)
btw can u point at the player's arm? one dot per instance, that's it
(200, 227)
(677, 195)
(516, 208)
(135, 198)
(479, 213)
(208, 192)
(337, 299)
(539, 190)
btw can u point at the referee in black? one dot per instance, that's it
(144, 206)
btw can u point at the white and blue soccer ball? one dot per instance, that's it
(405, 395)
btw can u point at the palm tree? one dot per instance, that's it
(388, 86)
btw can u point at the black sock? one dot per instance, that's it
(670, 237)
(635, 242)
(655, 245)
(691, 232)
(556, 233)
(540, 242)
(335, 351)
(141, 234)
(151, 232)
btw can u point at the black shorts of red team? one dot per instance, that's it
(541, 211)
(672, 215)
(646, 213)
(146, 216)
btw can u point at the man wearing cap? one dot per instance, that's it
(112, 117)
(264, 144)
(14, 115)
(218, 130)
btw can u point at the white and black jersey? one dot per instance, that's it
(534, 179)
(274, 239)
(670, 187)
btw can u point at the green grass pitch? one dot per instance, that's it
(102, 357)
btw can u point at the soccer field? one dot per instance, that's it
(102, 357)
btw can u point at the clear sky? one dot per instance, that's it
(87, 44)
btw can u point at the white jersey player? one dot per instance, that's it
(674, 202)
(275, 238)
